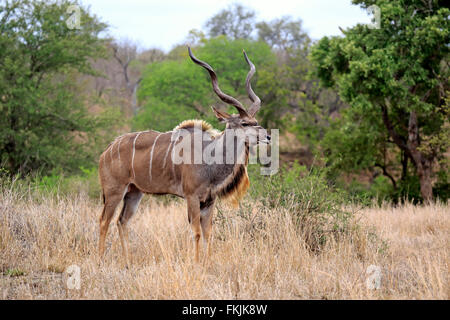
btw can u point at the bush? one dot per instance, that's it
(377, 192)
(441, 189)
(315, 205)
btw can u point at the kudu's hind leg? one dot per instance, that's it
(206, 214)
(112, 199)
(193, 205)
(130, 205)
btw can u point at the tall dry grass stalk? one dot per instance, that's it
(259, 255)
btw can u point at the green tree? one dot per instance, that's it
(44, 122)
(397, 76)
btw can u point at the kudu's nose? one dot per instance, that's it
(268, 137)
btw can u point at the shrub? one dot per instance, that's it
(315, 205)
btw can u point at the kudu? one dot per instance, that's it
(139, 162)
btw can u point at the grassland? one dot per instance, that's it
(256, 254)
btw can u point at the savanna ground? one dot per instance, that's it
(257, 252)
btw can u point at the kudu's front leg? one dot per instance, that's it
(193, 206)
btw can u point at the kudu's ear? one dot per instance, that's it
(221, 115)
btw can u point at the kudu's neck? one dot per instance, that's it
(228, 175)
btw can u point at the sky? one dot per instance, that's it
(165, 23)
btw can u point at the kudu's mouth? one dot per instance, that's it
(263, 137)
(266, 140)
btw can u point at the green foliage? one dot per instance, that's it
(226, 57)
(408, 189)
(441, 188)
(354, 142)
(44, 122)
(15, 272)
(316, 207)
(58, 183)
(173, 83)
(54, 184)
(159, 116)
(378, 191)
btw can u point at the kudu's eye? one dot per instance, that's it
(245, 124)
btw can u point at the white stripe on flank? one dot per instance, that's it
(105, 153)
(151, 156)
(132, 158)
(172, 155)
(110, 152)
(118, 147)
(167, 153)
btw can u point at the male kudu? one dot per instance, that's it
(143, 162)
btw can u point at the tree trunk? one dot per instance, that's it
(426, 187)
(404, 157)
(422, 163)
(134, 106)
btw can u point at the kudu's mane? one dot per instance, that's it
(195, 123)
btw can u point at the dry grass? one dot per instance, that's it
(257, 256)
